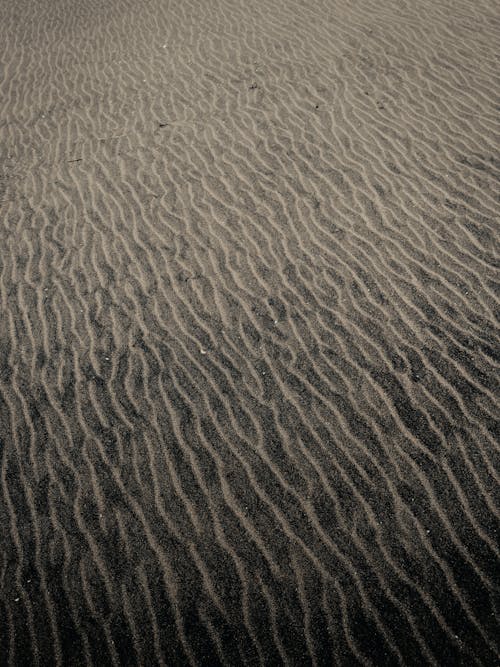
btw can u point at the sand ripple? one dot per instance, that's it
(249, 332)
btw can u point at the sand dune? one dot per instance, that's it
(249, 332)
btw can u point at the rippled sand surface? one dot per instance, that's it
(249, 332)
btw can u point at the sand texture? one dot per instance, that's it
(249, 332)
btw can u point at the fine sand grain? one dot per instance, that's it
(249, 332)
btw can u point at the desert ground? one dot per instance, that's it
(249, 332)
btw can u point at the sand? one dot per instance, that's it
(249, 332)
